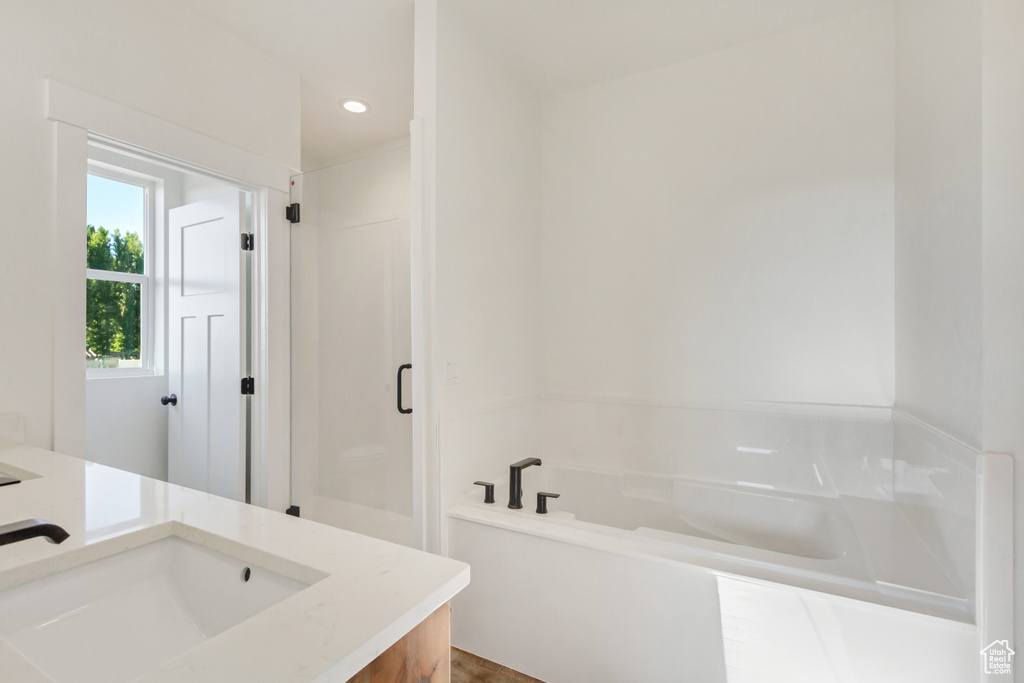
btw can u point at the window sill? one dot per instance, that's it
(117, 373)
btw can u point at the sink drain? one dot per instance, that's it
(246, 573)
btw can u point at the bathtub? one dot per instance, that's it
(635, 577)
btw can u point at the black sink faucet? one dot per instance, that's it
(31, 528)
(515, 482)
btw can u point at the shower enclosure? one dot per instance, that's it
(351, 347)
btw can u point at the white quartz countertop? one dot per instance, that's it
(367, 593)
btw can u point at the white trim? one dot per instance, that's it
(126, 149)
(427, 522)
(69, 207)
(428, 516)
(150, 187)
(256, 320)
(271, 362)
(119, 128)
(112, 171)
(116, 276)
(994, 594)
(120, 123)
(94, 374)
(131, 166)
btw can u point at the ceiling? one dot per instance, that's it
(341, 49)
(561, 45)
(363, 49)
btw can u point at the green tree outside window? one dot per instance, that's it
(113, 325)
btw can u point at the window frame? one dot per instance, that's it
(149, 186)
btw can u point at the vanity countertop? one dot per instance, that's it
(372, 593)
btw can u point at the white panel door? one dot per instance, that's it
(206, 346)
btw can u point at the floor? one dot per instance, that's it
(467, 668)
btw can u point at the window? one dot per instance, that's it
(118, 270)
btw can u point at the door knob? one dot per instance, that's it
(172, 399)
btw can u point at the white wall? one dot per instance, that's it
(827, 216)
(488, 289)
(726, 236)
(938, 215)
(126, 426)
(1003, 276)
(721, 228)
(831, 215)
(959, 246)
(488, 221)
(158, 58)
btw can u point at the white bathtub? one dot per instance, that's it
(633, 577)
(753, 517)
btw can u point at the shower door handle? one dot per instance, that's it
(406, 366)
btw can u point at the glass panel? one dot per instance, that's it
(352, 454)
(116, 218)
(113, 330)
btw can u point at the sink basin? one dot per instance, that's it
(120, 617)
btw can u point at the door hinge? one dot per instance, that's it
(248, 241)
(248, 386)
(292, 213)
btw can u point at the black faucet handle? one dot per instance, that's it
(488, 491)
(542, 501)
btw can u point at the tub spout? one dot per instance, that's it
(515, 481)
(31, 528)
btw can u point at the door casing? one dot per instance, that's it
(79, 118)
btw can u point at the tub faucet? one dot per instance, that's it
(31, 528)
(515, 482)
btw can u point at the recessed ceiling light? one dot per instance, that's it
(355, 106)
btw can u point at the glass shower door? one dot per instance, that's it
(352, 438)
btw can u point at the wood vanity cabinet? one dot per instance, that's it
(423, 655)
